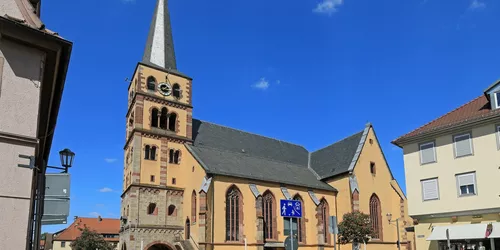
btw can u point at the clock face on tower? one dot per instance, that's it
(165, 88)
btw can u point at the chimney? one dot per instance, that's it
(99, 218)
(76, 218)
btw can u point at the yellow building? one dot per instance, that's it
(451, 167)
(191, 184)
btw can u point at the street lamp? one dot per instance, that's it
(66, 156)
(389, 218)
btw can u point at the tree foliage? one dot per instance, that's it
(90, 240)
(355, 227)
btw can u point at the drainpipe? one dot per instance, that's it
(336, 215)
(213, 207)
(245, 243)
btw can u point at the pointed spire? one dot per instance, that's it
(160, 44)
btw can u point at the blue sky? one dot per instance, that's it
(310, 72)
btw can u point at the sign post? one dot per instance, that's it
(291, 209)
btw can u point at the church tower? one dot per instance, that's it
(158, 124)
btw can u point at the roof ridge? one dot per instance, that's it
(343, 139)
(438, 118)
(246, 155)
(243, 131)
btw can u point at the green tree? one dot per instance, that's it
(90, 240)
(356, 228)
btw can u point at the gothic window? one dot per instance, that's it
(324, 212)
(163, 118)
(152, 209)
(153, 153)
(177, 156)
(376, 217)
(233, 214)
(172, 120)
(171, 156)
(151, 83)
(193, 207)
(176, 91)
(301, 226)
(171, 210)
(147, 150)
(269, 207)
(154, 118)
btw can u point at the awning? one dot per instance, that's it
(496, 231)
(459, 232)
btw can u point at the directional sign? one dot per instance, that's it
(289, 245)
(291, 208)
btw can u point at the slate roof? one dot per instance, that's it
(474, 110)
(336, 158)
(230, 152)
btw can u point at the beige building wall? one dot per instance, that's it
(221, 186)
(20, 76)
(485, 161)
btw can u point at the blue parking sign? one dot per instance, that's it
(291, 208)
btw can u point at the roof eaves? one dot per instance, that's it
(490, 87)
(310, 168)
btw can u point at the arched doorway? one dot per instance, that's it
(159, 247)
(188, 229)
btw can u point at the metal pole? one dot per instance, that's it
(397, 228)
(291, 232)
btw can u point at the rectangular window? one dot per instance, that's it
(466, 184)
(497, 96)
(174, 181)
(373, 170)
(430, 189)
(427, 153)
(462, 145)
(152, 178)
(63, 243)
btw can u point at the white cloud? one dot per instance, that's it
(477, 5)
(94, 214)
(105, 190)
(110, 160)
(278, 81)
(262, 84)
(328, 6)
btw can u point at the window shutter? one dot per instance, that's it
(427, 153)
(430, 189)
(463, 145)
(466, 179)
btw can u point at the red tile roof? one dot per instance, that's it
(474, 110)
(103, 226)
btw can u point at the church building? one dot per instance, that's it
(190, 184)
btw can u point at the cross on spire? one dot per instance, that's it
(159, 49)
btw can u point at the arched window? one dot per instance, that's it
(301, 226)
(151, 83)
(163, 118)
(152, 209)
(153, 153)
(188, 229)
(171, 156)
(233, 214)
(193, 207)
(176, 89)
(324, 212)
(269, 208)
(147, 152)
(154, 118)
(172, 120)
(376, 217)
(177, 155)
(171, 211)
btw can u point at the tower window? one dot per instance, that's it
(177, 156)
(154, 118)
(151, 83)
(172, 120)
(176, 91)
(171, 210)
(152, 209)
(152, 178)
(147, 150)
(163, 118)
(153, 153)
(171, 156)
(174, 181)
